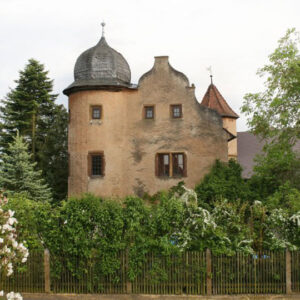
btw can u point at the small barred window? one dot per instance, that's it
(149, 112)
(95, 164)
(96, 112)
(176, 111)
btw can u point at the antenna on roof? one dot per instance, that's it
(209, 69)
(102, 24)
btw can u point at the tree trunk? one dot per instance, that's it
(33, 134)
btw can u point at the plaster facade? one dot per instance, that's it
(129, 142)
(230, 125)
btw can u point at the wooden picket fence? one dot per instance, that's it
(27, 278)
(194, 273)
(295, 265)
(183, 274)
(261, 273)
(88, 280)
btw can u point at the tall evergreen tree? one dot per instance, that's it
(30, 108)
(53, 155)
(18, 174)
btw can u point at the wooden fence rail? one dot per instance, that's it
(194, 273)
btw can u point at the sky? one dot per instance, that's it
(235, 37)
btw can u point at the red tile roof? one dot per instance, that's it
(214, 100)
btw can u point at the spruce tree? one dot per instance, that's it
(30, 109)
(53, 155)
(18, 173)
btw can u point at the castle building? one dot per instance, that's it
(129, 139)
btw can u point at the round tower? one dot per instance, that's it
(96, 110)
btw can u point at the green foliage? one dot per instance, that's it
(30, 109)
(53, 156)
(89, 227)
(232, 221)
(224, 181)
(84, 228)
(286, 198)
(28, 106)
(18, 174)
(276, 166)
(28, 214)
(274, 114)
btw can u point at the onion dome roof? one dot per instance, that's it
(100, 67)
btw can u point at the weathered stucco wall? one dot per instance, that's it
(106, 135)
(130, 142)
(230, 125)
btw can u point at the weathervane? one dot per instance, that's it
(102, 24)
(209, 69)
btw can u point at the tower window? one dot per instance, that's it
(171, 165)
(95, 164)
(96, 112)
(176, 111)
(149, 112)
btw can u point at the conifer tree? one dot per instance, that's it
(30, 109)
(53, 155)
(18, 173)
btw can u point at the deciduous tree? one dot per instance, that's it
(274, 114)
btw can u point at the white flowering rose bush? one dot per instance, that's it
(283, 230)
(234, 232)
(197, 222)
(222, 229)
(11, 251)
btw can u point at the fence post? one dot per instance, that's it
(288, 272)
(128, 282)
(47, 270)
(208, 272)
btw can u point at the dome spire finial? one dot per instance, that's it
(103, 24)
(209, 69)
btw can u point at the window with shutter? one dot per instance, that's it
(170, 165)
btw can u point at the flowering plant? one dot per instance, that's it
(11, 251)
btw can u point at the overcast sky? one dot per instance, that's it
(235, 37)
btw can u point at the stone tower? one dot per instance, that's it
(130, 139)
(214, 100)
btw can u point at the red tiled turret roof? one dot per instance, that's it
(214, 100)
